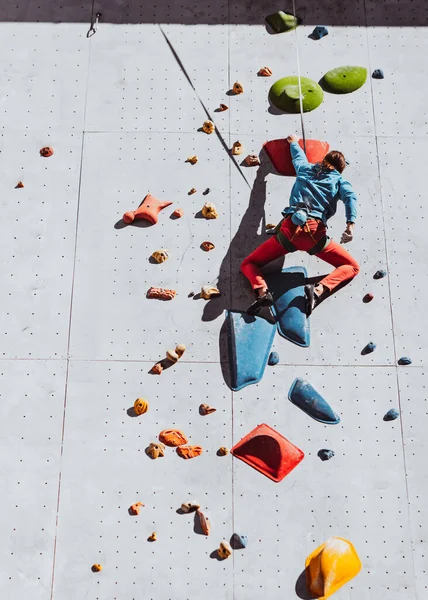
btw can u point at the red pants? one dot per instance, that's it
(334, 254)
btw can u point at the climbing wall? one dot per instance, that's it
(121, 105)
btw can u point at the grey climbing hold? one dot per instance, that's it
(378, 74)
(319, 32)
(380, 274)
(273, 359)
(326, 454)
(405, 360)
(391, 415)
(368, 349)
(238, 541)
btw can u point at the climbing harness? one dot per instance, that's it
(288, 245)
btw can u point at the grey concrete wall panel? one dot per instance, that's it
(32, 407)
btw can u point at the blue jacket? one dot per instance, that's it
(319, 189)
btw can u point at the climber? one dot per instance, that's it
(313, 201)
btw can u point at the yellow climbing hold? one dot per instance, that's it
(330, 566)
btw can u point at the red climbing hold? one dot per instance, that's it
(280, 155)
(269, 452)
(149, 210)
(46, 151)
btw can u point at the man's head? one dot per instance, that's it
(334, 160)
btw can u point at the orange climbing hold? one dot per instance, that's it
(134, 509)
(172, 437)
(161, 293)
(252, 160)
(280, 154)
(265, 72)
(141, 406)
(148, 210)
(223, 107)
(189, 451)
(207, 246)
(330, 566)
(203, 522)
(96, 568)
(178, 213)
(157, 369)
(46, 151)
(19, 185)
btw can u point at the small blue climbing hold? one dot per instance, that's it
(326, 454)
(238, 541)
(405, 360)
(378, 74)
(380, 274)
(319, 32)
(391, 415)
(273, 359)
(368, 349)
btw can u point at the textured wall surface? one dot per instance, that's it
(122, 109)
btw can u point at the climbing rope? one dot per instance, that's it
(302, 124)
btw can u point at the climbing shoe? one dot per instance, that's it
(261, 302)
(312, 298)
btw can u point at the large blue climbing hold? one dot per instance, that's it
(319, 32)
(303, 395)
(289, 307)
(250, 340)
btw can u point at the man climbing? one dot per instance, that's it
(313, 201)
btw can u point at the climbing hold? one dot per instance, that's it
(46, 151)
(206, 191)
(207, 246)
(209, 291)
(223, 451)
(344, 80)
(289, 307)
(368, 298)
(188, 507)
(249, 342)
(380, 274)
(155, 450)
(237, 88)
(378, 74)
(319, 32)
(152, 537)
(280, 154)
(206, 409)
(269, 452)
(285, 94)
(180, 349)
(96, 568)
(238, 541)
(223, 107)
(270, 226)
(252, 160)
(178, 213)
(273, 359)
(204, 522)
(224, 550)
(172, 437)
(191, 191)
(189, 451)
(209, 211)
(208, 127)
(134, 509)
(161, 293)
(237, 148)
(148, 210)
(192, 160)
(161, 255)
(391, 415)
(265, 72)
(19, 185)
(172, 356)
(141, 406)
(330, 566)
(281, 21)
(157, 369)
(404, 360)
(305, 396)
(371, 347)
(325, 454)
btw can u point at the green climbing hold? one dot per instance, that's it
(281, 21)
(284, 94)
(344, 80)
